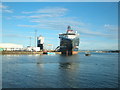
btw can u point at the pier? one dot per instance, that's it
(24, 52)
(41, 52)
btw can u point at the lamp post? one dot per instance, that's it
(35, 37)
(30, 40)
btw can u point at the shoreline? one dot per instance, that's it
(41, 52)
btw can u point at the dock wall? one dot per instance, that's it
(23, 52)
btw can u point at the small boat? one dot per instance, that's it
(87, 54)
(44, 52)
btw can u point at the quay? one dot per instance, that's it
(41, 52)
(24, 52)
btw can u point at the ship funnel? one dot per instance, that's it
(69, 28)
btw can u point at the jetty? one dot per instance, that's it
(24, 52)
(56, 52)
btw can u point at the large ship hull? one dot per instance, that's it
(69, 46)
(69, 42)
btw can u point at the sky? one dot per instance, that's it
(60, 0)
(96, 22)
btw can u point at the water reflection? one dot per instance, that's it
(69, 62)
(41, 65)
(69, 67)
(65, 65)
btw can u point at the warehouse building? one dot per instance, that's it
(10, 47)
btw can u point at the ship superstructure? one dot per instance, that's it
(69, 42)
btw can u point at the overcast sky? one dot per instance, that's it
(96, 22)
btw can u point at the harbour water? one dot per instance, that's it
(100, 70)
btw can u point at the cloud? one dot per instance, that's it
(62, 26)
(111, 27)
(32, 26)
(12, 35)
(8, 11)
(20, 17)
(98, 45)
(38, 16)
(5, 8)
(55, 10)
(2, 6)
(56, 19)
(95, 44)
(49, 18)
(54, 23)
(44, 13)
(59, 23)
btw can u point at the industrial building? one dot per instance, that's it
(40, 42)
(17, 47)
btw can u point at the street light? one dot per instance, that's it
(35, 37)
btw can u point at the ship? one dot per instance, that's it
(69, 42)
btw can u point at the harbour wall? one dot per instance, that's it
(23, 52)
(41, 52)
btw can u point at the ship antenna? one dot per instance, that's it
(69, 28)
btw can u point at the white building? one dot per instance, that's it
(32, 49)
(11, 46)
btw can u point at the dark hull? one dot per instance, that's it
(69, 46)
